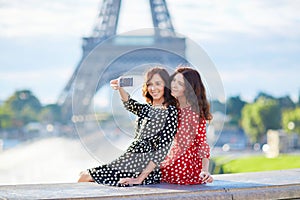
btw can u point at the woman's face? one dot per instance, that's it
(156, 86)
(178, 86)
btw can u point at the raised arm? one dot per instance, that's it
(123, 94)
(130, 104)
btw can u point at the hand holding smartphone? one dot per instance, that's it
(114, 84)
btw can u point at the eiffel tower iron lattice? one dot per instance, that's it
(120, 52)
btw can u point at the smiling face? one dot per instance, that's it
(178, 86)
(155, 87)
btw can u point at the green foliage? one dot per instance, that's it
(286, 103)
(263, 95)
(291, 120)
(21, 99)
(270, 114)
(6, 116)
(28, 114)
(260, 116)
(50, 113)
(216, 105)
(250, 164)
(234, 108)
(251, 122)
(23, 107)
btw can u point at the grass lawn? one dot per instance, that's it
(259, 163)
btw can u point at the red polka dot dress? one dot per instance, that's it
(183, 164)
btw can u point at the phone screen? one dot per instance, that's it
(126, 82)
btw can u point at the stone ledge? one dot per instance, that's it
(284, 184)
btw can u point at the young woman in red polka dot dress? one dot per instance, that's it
(188, 160)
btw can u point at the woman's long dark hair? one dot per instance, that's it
(168, 98)
(195, 92)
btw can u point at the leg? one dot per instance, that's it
(84, 176)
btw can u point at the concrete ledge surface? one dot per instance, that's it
(283, 184)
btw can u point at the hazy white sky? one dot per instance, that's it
(255, 44)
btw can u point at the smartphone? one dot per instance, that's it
(126, 82)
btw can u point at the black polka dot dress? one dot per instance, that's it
(154, 133)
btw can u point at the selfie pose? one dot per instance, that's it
(188, 159)
(154, 132)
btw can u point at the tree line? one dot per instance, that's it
(24, 107)
(255, 118)
(264, 113)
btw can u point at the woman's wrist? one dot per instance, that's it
(140, 179)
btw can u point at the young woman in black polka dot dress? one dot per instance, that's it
(188, 159)
(154, 132)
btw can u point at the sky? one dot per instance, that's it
(254, 44)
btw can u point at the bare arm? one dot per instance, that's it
(206, 177)
(138, 180)
(149, 168)
(205, 164)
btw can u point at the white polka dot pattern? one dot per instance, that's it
(154, 133)
(183, 164)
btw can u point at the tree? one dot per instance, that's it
(260, 116)
(217, 106)
(28, 114)
(234, 108)
(50, 113)
(291, 120)
(264, 96)
(6, 116)
(22, 107)
(286, 103)
(20, 99)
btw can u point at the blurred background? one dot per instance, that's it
(255, 48)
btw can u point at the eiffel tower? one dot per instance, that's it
(103, 46)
